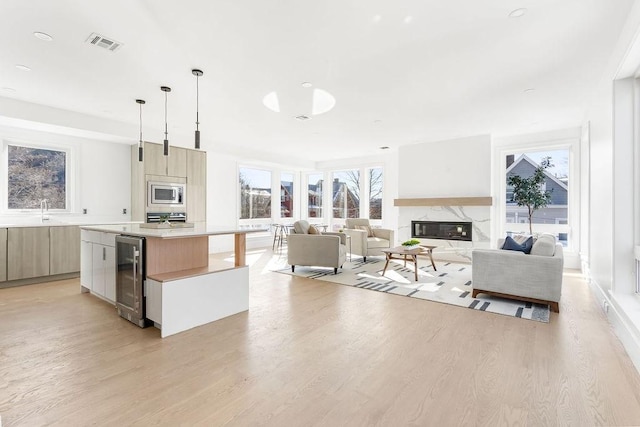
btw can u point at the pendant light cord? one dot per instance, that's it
(140, 144)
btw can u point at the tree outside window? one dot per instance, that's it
(36, 174)
(255, 193)
(375, 193)
(286, 195)
(346, 194)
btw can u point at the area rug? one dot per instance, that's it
(450, 284)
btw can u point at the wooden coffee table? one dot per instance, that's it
(428, 250)
(400, 252)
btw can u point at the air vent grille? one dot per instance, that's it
(103, 42)
(302, 118)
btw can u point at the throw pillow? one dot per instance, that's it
(512, 245)
(521, 238)
(545, 245)
(313, 230)
(367, 229)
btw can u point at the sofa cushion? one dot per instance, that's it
(301, 227)
(312, 230)
(511, 245)
(545, 245)
(365, 228)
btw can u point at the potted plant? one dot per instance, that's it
(411, 244)
(529, 191)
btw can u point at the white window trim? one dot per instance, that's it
(500, 188)
(69, 173)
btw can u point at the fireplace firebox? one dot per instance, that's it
(444, 230)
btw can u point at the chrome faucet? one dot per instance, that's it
(44, 206)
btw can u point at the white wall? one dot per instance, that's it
(453, 168)
(101, 171)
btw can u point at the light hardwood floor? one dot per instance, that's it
(311, 353)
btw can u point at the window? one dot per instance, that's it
(36, 174)
(255, 193)
(286, 195)
(346, 194)
(314, 191)
(375, 193)
(554, 217)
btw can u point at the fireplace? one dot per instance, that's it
(444, 230)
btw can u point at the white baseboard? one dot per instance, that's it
(624, 329)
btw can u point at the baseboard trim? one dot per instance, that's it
(41, 279)
(626, 332)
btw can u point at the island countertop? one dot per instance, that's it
(199, 230)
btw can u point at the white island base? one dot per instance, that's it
(176, 304)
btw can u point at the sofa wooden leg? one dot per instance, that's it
(555, 306)
(293, 268)
(475, 293)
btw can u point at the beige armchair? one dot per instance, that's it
(367, 241)
(321, 250)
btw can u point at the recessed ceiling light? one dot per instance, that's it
(22, 67)
(529, 90)
(377, 19)
(376, 121)
(302, 118)
(306, 84)
(517, 13)
(408, 19)
(8, 89)
(43, 36)
(384, 147)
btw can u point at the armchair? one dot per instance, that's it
(367, 241)
(322, 250)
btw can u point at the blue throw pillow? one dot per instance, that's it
(512, 245)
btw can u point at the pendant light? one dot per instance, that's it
(166, 90)
(197, 73)
(140, 102)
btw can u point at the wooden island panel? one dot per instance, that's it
(169, 255)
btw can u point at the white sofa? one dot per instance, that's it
(513, 274)
(364, 245)
(318, 250)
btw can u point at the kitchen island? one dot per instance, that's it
(183, 289)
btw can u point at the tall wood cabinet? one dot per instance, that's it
(182, 165)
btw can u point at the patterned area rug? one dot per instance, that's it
(450, 284)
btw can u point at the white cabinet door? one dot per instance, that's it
(110, 273)
(98, 276)
(86, 263)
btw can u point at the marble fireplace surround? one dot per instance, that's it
(449, 250)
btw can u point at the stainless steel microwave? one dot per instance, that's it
(166, 194)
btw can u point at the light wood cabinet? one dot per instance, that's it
(3, 254)
(177, 162)
(155, 162)
(196, 186)
(64, 244)
(27, 252)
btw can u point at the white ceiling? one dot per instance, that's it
(459, 68)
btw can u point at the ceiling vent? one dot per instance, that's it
(302, 118)
(103, 42)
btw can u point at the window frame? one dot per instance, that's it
(573, 200)
(254, 221)
(42, 145)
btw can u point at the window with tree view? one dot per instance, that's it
(537, 192)
(314, 191)
(36, 174)
(346, 194)
(375, 193)
(286, 195)
(255, 193)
